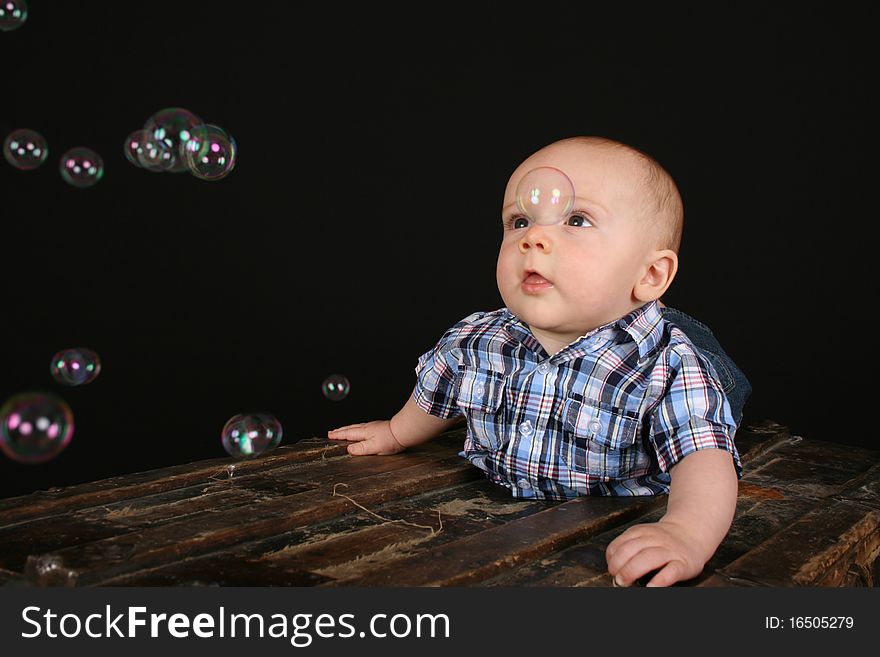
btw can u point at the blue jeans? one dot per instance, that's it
(734, 382)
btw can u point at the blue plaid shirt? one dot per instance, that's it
(609, 414)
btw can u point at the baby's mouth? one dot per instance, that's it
(535, 279)
(535, 283)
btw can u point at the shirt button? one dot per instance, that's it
(595, 426)
(479, 390)
(524, 483)
(526, 428)
(544, 367)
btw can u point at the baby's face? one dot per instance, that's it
(591, 260)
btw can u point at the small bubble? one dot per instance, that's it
(335, 387)
(25, 149)
(251, 434)
(35, 427)
(210, 153)
(75, 367)
(173, 127)
(13, 14)
(81, 167)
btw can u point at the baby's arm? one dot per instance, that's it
(410, 426)
(702, 502)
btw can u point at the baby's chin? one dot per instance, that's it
(549, 316)
(540, 315)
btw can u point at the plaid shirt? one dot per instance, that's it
(609, 414)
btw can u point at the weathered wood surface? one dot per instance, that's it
(308, 514)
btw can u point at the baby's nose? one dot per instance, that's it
(535, 237)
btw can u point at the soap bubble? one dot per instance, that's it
(251, 434)
(35, 427)
(335, 387)
(210, 153)
(13, 14)
(25, 149)
(75, 367)
(545, 195)
(155, 154)
(174, 126)
(81, 167)
(133, 147)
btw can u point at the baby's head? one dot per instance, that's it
(616, 250)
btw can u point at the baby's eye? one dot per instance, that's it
(579, 220)
(516, 222)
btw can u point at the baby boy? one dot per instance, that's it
(582, 385)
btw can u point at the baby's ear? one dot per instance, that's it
(660, 268)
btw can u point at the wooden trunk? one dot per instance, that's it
(308, 514)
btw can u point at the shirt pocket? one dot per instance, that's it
(601, 442)
(479, 394)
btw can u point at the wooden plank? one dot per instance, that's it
(33, 537)
(864, 489)
(859, 566)
(61, 500)
(49, 535)
(584, 564)
(114, 556)
(806, 478)
(483, 555)
(42, 535)
(464, 513)
(255, 476)
(277, 522)
(803, 552)
(356, 540)
(10, 578)
(220, 569)
(757, 518)
(847, 458)
(760, 443)
(754, 442)
(579, 565)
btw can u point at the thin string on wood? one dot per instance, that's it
(376, 515)
(330, 448)
(228, 470)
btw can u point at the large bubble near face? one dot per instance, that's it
(251, 434)
(545, 195)
(35, 427)
(174, 127)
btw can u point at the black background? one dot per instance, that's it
(362, 218)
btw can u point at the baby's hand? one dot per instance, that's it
(661, 545)
(376, 436)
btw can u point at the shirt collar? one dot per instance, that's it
(643, 325)
(520, 330)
